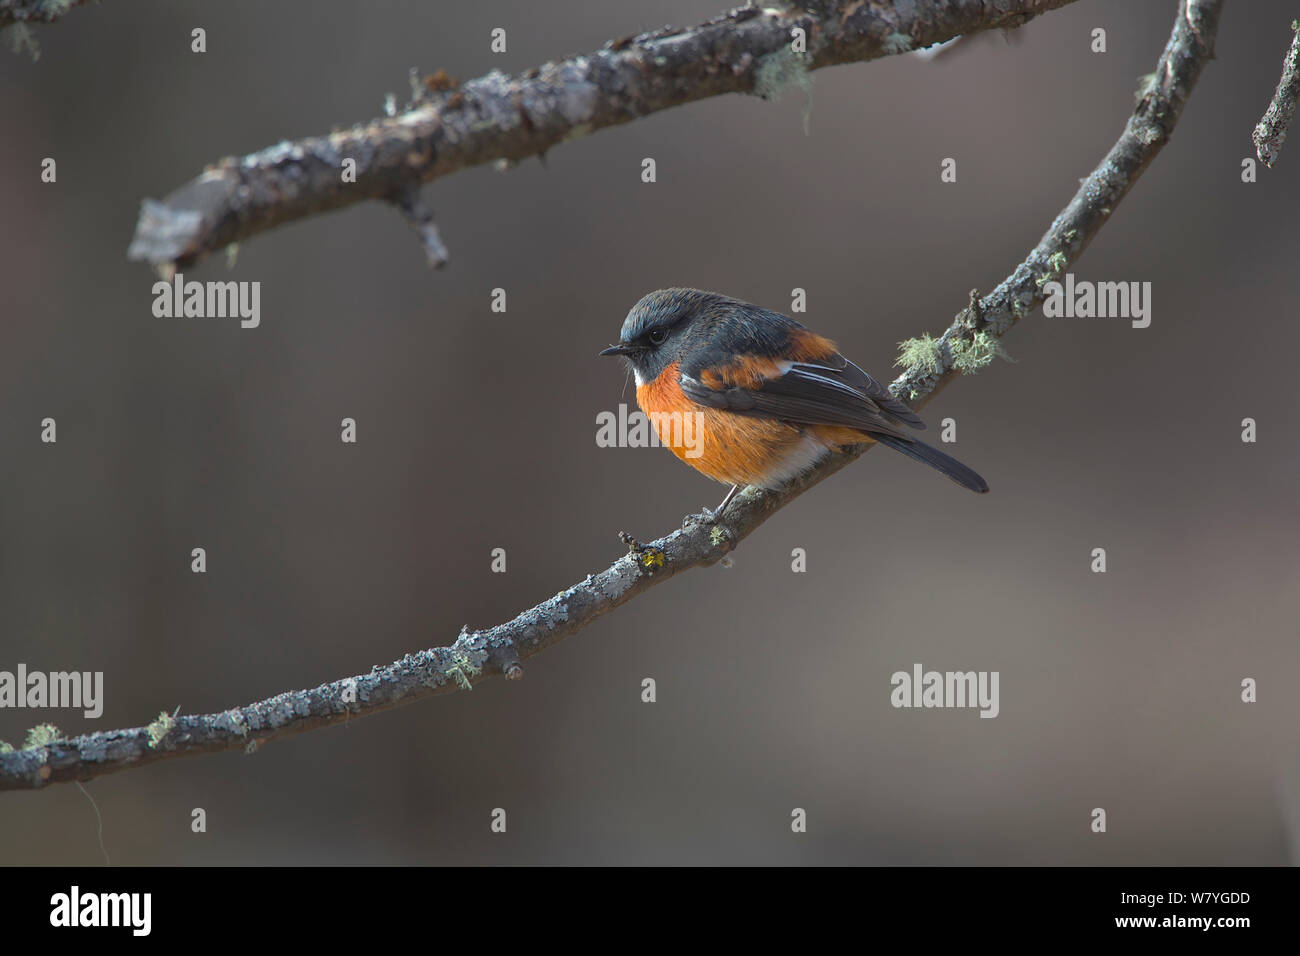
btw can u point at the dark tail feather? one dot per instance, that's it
(937, 460)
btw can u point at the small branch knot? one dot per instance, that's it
(974, 312)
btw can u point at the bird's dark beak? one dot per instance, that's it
(616, 350)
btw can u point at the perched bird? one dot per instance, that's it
(762, 398)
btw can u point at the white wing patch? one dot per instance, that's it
(804, 370)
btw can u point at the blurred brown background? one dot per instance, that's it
(477, 431)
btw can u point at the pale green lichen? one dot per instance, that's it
(717, 536)
(461, 670)
(969, 356)
(42, 735)
(6, 747)
(896, 43)
(21, 38)
(780, 72)
(1146, 82)
(160, 728)
(921, 354)
(1056, 264)
(45, 11)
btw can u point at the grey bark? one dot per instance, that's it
(476, 655)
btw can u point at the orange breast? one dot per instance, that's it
(730, 448)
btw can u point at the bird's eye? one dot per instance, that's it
(657, 336)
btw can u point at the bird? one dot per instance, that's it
(748, 396)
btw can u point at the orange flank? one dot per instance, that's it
(730, 448)
(808, 346)
(751, 371)
(745, 371)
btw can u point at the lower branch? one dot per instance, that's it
(476, 655)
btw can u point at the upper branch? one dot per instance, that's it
(496, 117)
(499, 650)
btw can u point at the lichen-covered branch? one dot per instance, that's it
(1271, 131)
(447, 127)
(1161, 102)
(476, 655)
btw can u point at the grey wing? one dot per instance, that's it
(832, 391)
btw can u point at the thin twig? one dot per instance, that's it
(476, 655)
(1270, 132)
(419, 217)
